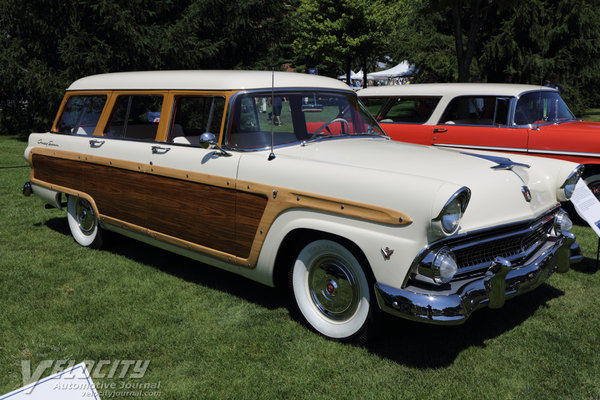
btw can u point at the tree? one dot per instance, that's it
(556, 40)
(422, 35)
(47, 44)
(505, 41)
(340, 34)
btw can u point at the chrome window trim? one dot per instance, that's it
(532, 126)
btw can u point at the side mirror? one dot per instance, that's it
(206, 139)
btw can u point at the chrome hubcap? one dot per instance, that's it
(86, 219)
(333, 288)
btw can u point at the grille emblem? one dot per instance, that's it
(526, 193)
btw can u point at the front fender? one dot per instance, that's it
(405, 241)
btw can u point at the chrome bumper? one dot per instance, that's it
(503, 280)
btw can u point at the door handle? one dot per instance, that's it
(439, 130)
(160, 150)
(96, 143)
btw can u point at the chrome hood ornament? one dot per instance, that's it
(503, 162)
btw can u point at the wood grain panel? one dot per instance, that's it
(249, 210)
(65, 173)
(192, 211)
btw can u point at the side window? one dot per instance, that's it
(81, 114)
(414, 110)
(374, 104)
(195, 115)
(476, 110)
(254, 116)
(135, 117)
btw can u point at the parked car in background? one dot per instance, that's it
(321, 202)
(512, 118)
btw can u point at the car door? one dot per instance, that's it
(479, 122)
(171, 188)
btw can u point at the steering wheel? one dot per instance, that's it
(326, 124)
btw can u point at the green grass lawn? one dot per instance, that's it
(211, 334)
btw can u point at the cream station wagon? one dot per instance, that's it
(285, 179)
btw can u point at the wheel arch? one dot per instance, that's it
(590, 169)
(366, 239)
(296, 239)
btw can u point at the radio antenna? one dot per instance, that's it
(272, 155)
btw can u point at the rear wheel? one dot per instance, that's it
(83, 223)
(332, 290)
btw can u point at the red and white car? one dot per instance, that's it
(485, 116)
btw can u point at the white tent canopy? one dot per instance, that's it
(355, 76)
(402, 69)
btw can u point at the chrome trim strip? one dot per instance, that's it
(464, 146)
(519, 150)
(503, 281)
(564, 153)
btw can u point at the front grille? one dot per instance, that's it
(476, 251)
(510, 246)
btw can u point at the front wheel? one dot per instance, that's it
(593, 183)
(332, 291)
(83, 223)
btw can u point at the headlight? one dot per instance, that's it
(569, 186)
(439, 266)
(453, 210)
(562, 222)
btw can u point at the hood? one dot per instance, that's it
(416, 180)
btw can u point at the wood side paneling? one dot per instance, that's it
(249, 210)
(192, 211)
(66, 173)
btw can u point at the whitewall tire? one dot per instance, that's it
(83, 222)
(331, 290)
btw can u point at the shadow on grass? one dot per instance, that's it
(405, 342)
(586, 266)
(432, 346)
(185, 268)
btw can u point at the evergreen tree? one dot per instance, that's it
(47, 44)
(544, 40)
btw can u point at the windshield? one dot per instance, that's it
(541, 107)
(296, 117)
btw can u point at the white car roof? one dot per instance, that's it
(450, 89)
(204, 80)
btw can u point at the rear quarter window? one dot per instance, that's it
(81, 114)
